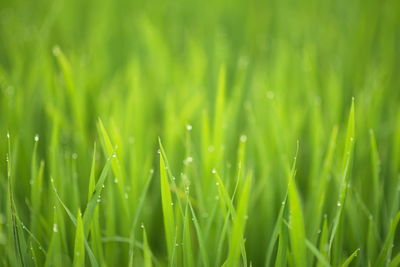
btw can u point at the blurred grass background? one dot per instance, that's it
(201, 75)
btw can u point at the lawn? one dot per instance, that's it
(200, 133)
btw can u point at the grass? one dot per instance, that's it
(199, 133)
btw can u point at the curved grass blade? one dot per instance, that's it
(350, 258)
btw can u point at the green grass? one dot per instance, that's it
(199, 133)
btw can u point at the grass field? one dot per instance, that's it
(199, 133)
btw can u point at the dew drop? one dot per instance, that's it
(172, 203)
(217, 184)
(189, 127)
(56, 50)
(338, 204)
(55, 228)
(126, 196)
(116, 180)
(188, 160)
(270, 95)
(36, 138)
(74, 155)
(243, 138)
(8, 135)
(142, 226)
(213, 171)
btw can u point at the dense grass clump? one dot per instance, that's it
(199, 133)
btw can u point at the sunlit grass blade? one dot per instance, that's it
(79, 247)
(167, 208)
(93, 202)
(146, 251)
(137, 214)
(89, 251)
(200, 238)
(297, 230)
(345, 173)
(187, 240)
(239, 224)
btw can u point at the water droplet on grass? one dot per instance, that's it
(243, 138)
(55, 228)
(270, 95)
(338, 204)
(188, 160)
(36, 138)
(189, 127)
(56, 50)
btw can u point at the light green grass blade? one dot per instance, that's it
(79, 247)
(239, 225)
(93, 202)
(167, 208)
(187, 239)
(146, 251)
(322, 261)
(350, 258)
(385, 254)
(323, 241)
(281, 254)
(347, 157)
(296, 231)
(395, 261)
(89, 251)
(200, 238)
